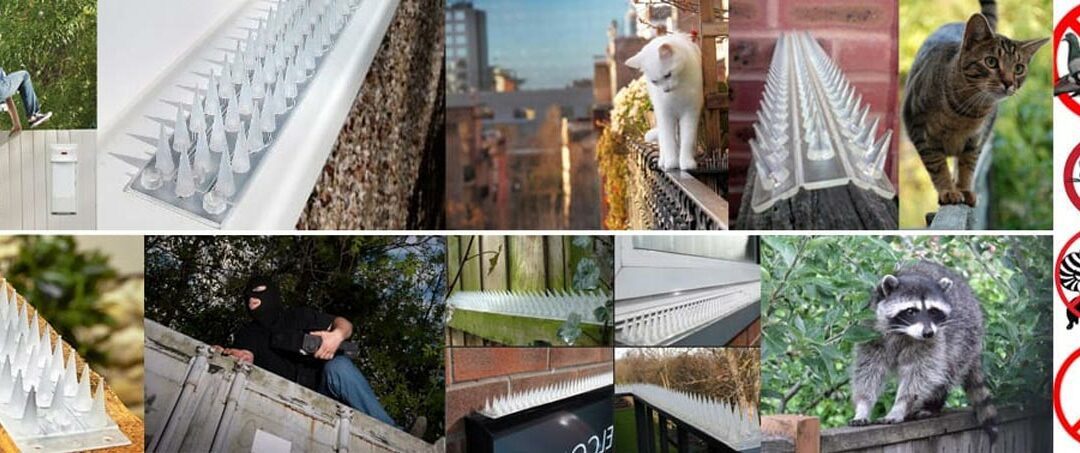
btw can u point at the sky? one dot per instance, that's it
(550, 43)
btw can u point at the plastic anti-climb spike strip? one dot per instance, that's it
(552, 304)
(812, 129)
(201, 165)
(520, 401)
(46, 404)
(736, 428)
(665, 323)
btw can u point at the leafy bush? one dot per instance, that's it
(1021, 177)
(63, 284)
(629, 120)
(56, 41)
(815, 292)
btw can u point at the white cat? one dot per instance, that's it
(672, 69)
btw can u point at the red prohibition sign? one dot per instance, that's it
(1072, 428)
(1057, 277)
(1070, 185)
(1071, 21)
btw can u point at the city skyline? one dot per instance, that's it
(549, 43)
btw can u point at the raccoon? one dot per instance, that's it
(932, 339)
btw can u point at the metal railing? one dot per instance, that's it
(717, 425)
(675, 200)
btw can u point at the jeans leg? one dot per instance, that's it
(21, 79)
(343, 381)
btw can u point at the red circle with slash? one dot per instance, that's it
(1072, 428)
(1070, 304)
(1071, 21)
(1070, 185)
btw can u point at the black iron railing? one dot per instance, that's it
(676, 200)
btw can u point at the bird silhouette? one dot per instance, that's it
(1070, 83)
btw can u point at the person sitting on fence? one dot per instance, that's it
(270, 339)
(19, 81)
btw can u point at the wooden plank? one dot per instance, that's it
(15, 156)
(28, 175)
(457, 337)
(494, 276)
(87, 141)
(708, 68)
(960, 423)
(470, 275)
(526, 255)
(7, 217)
(713, 29)
(555, 261)
(803, 430)
(717, 101)
(519, 330)
(41, 188)
(453, 258)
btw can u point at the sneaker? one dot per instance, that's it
(419, 426)
(36, 120)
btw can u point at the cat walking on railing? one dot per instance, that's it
(959, 76)
(671, 66)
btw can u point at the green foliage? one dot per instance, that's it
(1021, 179)
(56, 42)
(815, 292)
(64, 285)
(629, 121)
(390, 288)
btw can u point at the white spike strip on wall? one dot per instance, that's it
(520, 401)
(46, 404)
(240, 107)
(670, 320)
(556, 305)
(736, 428)
(812, 128)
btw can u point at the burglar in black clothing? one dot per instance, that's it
(273, 340)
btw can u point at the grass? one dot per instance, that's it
(1022, 172)
(625, 430)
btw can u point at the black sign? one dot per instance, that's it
(580, 424)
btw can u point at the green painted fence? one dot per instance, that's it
(514, 263)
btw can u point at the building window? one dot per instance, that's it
(459, 27)
(459, 15)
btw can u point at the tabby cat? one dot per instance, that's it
(959, 75)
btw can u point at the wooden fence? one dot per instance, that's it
(1019, 430)
(518, 264)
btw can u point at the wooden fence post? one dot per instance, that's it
(804, 432)
(711, 27)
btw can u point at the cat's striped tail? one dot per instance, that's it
(989, 10)
(978, 395)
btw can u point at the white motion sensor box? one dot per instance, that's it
(63, 179)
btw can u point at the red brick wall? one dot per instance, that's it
(860, 35)
(474, 375)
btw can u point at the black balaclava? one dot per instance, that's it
(269, 312)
